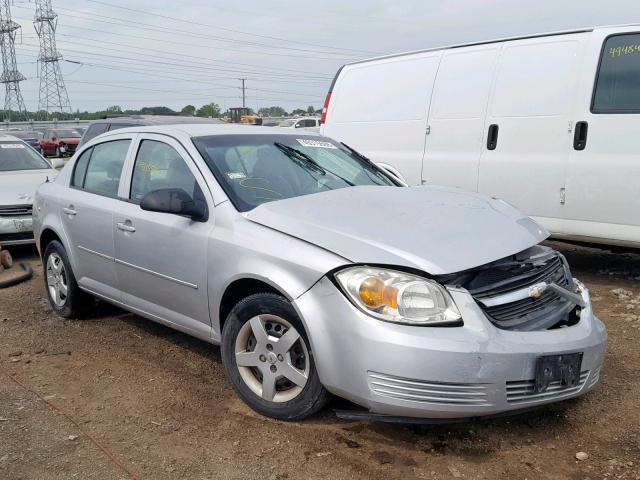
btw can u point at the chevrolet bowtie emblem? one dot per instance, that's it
(537, 290)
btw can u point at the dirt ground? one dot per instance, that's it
(116, 396)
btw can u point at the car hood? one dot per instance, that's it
(19, 187)
(433, 229)
(70, 140)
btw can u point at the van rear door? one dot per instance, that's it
(527, 137)
(457, 115)
(380, 108)
(603, 179)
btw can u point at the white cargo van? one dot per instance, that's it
(549, 123)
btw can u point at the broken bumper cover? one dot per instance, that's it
(437, 372)
(16, 230)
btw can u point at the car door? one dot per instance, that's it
(46, 143)
(603, 179)
(527, 137)
(161, 259)
(87, 213)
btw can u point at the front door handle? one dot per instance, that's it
(69, 210)
(492, 137)
(126, 227)
(580, 136)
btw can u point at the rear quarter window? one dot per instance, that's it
(617, 88)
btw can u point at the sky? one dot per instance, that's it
(136, 53)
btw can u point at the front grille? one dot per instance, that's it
(16, 211)
(428, 392)
(496, 281)
(522, 391)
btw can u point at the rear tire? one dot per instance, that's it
(65, 297)
(277, 376)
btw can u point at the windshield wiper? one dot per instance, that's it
(291, 152)
(294, 152)
(367, 161)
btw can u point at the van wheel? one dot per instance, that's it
(268, 359)
(65, 297)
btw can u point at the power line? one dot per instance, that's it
(190, 22)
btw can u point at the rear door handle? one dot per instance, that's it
(69, 210)
(126, 227)
(492, 137)
(580, 136)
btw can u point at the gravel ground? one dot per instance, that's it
(116, 396)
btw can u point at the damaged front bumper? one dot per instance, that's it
(16, 230)
(429, 372)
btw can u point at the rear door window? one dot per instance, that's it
(617, 87)
(105, 168)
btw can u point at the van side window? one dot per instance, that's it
(105, 167)
(617, 87)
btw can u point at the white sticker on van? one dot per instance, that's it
(11, 145)
(305, 142)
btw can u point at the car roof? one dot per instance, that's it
(201, 130)
(9, 138)
(157, 119)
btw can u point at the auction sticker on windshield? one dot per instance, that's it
(11, 145)
(305, 142)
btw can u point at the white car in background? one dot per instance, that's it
(309, 123)
(22, 170)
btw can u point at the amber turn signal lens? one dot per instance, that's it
(375, 294)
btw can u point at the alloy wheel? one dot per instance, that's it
(272, 358)
(57, 280)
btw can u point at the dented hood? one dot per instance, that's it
(434, 229)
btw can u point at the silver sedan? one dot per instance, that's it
(318, 273)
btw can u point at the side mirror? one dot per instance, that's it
(175, 201)
(57, 163)
(393, 172)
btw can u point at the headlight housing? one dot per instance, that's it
(398, 297)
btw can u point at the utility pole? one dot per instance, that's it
(11, 77)
(53, 93)
(243, 91)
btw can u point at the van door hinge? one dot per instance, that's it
(428, 129)
(563, 196)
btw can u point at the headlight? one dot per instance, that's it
(398, 297)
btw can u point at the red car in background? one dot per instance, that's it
(59, 142)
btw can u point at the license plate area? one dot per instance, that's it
(564, 368)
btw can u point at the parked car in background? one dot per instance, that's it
(317, 272)
(548, 123)
(311, 123)
(98, 127)
(59, 142)
(21, 171)
(30, 137)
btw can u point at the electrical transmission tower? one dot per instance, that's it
(11, 77)
(53, 95)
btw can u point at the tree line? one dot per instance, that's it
(208, 110)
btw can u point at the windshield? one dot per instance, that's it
(65, 134)
(255, 169)
(18, 156)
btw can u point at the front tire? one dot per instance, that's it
(65, 297)
(267, 357)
